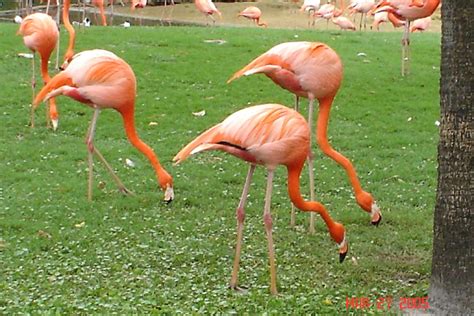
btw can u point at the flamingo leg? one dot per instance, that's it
(405, 48)
(293, 209)
(59, 37)
(47, 6)
(83, 13)
(310, 161)
(267, 220)
(33, 87)
(111, 2)
(91, 150)
(363, 198)
(240, 214)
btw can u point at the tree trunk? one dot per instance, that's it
(452, 276)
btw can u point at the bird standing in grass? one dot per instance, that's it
(254, 14)
(268, 135)
(363, 7)
(101, 80)
(421, 24)
(313, 71)
(208, 8)
(344, 23)
(310, 6)
(40, 34)
(408, 11)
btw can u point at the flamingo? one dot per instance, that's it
(101, 80)
(326, 11)
(381, 17)
(362, 7)
(208, 8)
(253, 13)
(421, 24)
(407, 10)
(313, 71)
(310, 6)
(40, 34)
(268, 135)
(138, 4)
(344, 23)
(100, 5)
(329, 11)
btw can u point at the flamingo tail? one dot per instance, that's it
(61, 79)
(205, 141)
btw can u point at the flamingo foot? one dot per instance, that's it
(239, 289)
(125, 191)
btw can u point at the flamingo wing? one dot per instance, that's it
(268, 134)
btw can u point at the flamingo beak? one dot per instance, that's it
(55, 123)
(343, 249)
(376, 215)
(169, 194)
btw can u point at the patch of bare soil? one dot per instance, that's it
(278, 14)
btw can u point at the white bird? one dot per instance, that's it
(18, 19)
(86, 22)
(126, 24)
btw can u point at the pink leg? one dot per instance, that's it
(33, 87)
(91, 150)
(240, 214)
(267, 220)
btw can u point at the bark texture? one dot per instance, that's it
(452, 278)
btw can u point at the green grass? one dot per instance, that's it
(134, 254)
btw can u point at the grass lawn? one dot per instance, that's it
(135, 254)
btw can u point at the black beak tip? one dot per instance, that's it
(342, 256)
(376, 223)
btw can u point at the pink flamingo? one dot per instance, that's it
(407, 10)
(310, 6)
(421, 24)
(101, 80)
(138, 4)
(268, 135)
(344, 23)
(382, 17)
(208, 8)
(313, 71)
(40, 34)
(362, 7)
(254, 14)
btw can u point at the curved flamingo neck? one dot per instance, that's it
(321, 132)
(128, 116)
(336, 230)
(72, 33)
(44, 68)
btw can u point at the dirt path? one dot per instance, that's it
(276, 13)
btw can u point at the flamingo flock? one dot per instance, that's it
(269, 135)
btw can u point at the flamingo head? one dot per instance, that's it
(166, 184)
(338, 234)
